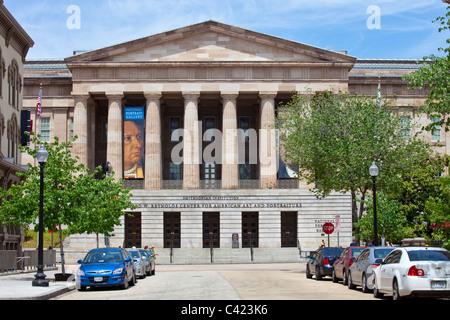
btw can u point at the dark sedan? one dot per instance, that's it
(321, 262)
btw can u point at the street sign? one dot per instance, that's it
(328, 228)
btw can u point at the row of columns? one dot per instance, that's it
(268, 156)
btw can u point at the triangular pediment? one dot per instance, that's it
(211, 42)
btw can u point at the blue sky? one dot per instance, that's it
(402, 29)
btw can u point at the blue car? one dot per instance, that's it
(106, 267)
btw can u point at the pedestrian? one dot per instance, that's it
(152, 250)
(322, 244)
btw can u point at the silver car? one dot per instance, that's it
(149, 262)
(139, 263)
(361, 271)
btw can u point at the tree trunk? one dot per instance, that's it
(62, 250)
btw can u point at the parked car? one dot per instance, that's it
(321, 262)
(413, 271)
(361, 271)
(149, 262)
(105, 267)
(345, 260)
(139, 263)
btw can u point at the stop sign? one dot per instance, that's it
(328, 228)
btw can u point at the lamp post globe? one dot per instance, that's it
(373, 170)
(39, 278)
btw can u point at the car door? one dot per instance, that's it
(360, 266)
(339, 264)
(391, 263)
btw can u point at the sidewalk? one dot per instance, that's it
(17, 286)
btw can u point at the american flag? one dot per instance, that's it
(38, 104)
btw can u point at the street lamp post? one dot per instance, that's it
(40, 281)
(373, 170)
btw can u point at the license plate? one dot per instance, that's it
(438, 284)
(98, 279)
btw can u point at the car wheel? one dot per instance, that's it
(333, 276)
(344, 278)
(133, 280)
(349, 281)
(395, 292)
(308, 273)
(125, 282)
(364, 287)
(376, 293)
(318, 276)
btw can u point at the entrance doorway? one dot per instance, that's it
(172, 230)
(133, 230)
(211, 229)
(288, 229)
(250, 227)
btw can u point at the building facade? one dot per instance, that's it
(14, 45)
(187, 118)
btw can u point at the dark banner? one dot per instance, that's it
(133, 143)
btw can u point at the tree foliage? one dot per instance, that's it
(333, 139)
(72, 197)
(435, 76)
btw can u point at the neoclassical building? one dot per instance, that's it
(187, 118)
(14, 46)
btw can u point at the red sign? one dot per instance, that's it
(328, 228)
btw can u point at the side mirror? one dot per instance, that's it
(80, 261)
(127, 259)
(379, 261)
(353, 259)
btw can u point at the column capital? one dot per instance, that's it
(114, 95)
(152, 95)
(81, 95)
(229, 95)
(191, 95)
(268, 94)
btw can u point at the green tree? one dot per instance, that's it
(435, 76)
(66, 191)
(334, 138)
(391, 225)
(103, 202)
(438, 210)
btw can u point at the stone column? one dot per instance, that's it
(268, 153)
(230, 166)
(114, 148)
(191, 142)
(80, 128)
(153, 152)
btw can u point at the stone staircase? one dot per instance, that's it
(203, 256)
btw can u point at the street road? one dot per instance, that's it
(286, 281)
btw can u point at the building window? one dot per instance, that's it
(175, 125)
(244, 125)
(45, 129)
(244, 171)
(405, 132)
(174, 171)
(71, 129)
(209, 126)
(436, 129)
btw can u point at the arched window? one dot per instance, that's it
(14, 82)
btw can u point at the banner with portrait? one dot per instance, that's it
(133, 143)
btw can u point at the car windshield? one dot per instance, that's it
(332, 251)
(381, 253)
(144, 253)
(103, 257)
(134, 254)
(357, 251)
(430, 255)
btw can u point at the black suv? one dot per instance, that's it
(320, 263)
